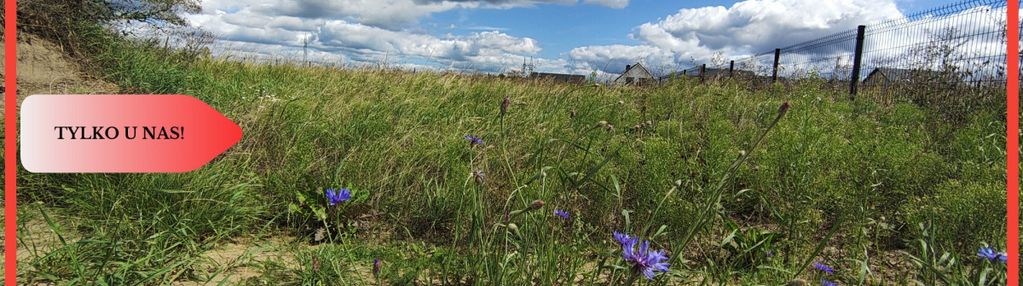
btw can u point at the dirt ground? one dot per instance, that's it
(43, 68)
(234, 262)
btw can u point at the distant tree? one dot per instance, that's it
(69, 22)
(719, 59)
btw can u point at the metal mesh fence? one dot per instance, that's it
(953, 55)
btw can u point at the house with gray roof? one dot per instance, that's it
(635, 75)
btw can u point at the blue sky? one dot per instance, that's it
(563, 27)
(572, 36)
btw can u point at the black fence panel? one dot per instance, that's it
(953, 55)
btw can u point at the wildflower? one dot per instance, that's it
(479, 176)
(505, 104)
(561, 213)
(537, 204)
(647, 262)
(376, 267)
(514, 229)
(825, 282)
(473, 140)
(622, 238)
(783, 108)
(991, 255)
(643, 260)
(823, 268)
(335, 196)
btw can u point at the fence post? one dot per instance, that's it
(857, 59)
(777, 56)
(731, 69)
(703, 72)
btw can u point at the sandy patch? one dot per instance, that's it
(234, 262)
(43, 68)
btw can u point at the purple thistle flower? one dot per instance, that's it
(562, 214)
(992, 255)
(643, 260)
(335, 196)
(473, 140)
(823, 268)
(825, 282)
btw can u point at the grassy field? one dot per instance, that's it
(734, 188)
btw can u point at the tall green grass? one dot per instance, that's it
(844, 183)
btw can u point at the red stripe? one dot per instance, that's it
(10, 142)
(1012, 142)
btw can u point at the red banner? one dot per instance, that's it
(121, 133)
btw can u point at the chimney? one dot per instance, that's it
(627, 67)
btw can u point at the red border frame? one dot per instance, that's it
(11, 147)
(10, 142)
(1012, 142)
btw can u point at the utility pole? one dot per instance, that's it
(305, 49)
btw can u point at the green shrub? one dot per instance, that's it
(961, 215)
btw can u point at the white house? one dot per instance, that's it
(635, 75)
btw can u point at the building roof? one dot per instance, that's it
(634, 67)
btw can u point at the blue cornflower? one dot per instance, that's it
(825, 282)
(335, 196)
(823, 268)
(376, 267)
(643, 260)
(992, 255)
(623, 238)
(473, 140)
(561, 213)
